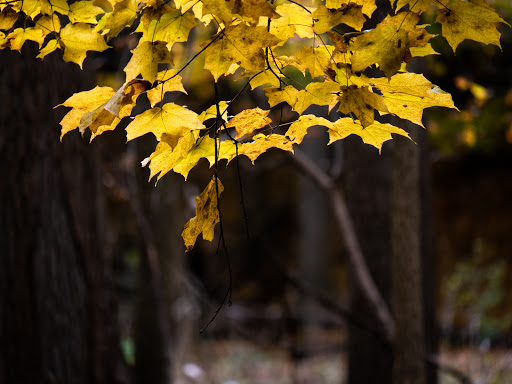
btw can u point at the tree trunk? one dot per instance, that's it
(58, 322)
(409, 361)
(367, 184)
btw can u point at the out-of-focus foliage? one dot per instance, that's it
(475, 293)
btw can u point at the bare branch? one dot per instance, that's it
(347, 231)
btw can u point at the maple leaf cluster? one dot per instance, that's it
(256, 40)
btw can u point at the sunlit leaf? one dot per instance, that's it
(375, 134)
(471, 19)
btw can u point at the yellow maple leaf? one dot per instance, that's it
(223, 10)
(187, 152)
(410, 83)
(166, 156)
(249, 120)
(101, 108)
(171, 27)
(368, 6)
(32, 8)
(77, 39)
(211, 112)
(145, 59)
(261, 143)
(51, 46)
(168, 123)
(252, 10)
(82, 103)
(167, 81)
(472, 19)
(407, 94)
(417, 6)
(423, 51)
(184, 5)
(361, 102)
(48, 24)
(240, 44)
(317, 60)
(280, 27)
(204, 148)
(122, 16)
(84, 12)
(18, 37)
(375, 134)
(207, 215)
(8, 18)
(298, 129)
(411, 108)
(319, 93)
(288, 94)
(299, 17)
(120, 105)
(259, 78)
(350, 14)
(388, 45)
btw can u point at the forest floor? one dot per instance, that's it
(238, 361)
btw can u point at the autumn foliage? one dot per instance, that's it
(258, 40)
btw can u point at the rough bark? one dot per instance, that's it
(407, 299)
(58, 310)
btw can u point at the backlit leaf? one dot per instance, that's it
(262, 143)
(171, 27)
(145, 59)
(471, 19)
(168, 123)
(168, 81)
(349, 13)
(240, 44)
(417, 6)
(298, 17)
(375, 134)
(19, 36)
(7, 19)
(123, 16)
(246, 122)
(298, 129)
(388, 45)
(84, 12)
(82, 103)
(368, 6)
(317, 94)
(109, 115)
(287, 95)
(77, 39)
(211, 112)
(207, 215)
(361, 102)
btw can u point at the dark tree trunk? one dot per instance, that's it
(58, 319)
(407, 292)
(428, 256)
(367, 183)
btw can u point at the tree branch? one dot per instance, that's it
(347, 231)
(457, 374)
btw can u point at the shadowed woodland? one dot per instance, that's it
(338, 263)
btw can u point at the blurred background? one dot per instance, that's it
(96, 287)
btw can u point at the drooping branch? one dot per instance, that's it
(326, 301)
(347, 231)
